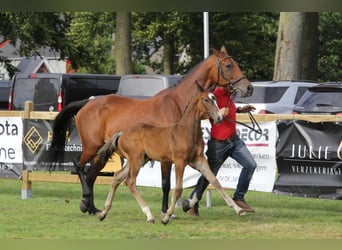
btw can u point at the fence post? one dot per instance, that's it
(26, 188)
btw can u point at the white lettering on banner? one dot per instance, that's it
(11, 131)
(262, 147)
(67, 148)
(309, 170)
(304, 151)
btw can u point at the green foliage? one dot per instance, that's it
(330, 38)
(91, 33)
(87, 39)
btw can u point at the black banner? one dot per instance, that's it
(309, 159)
(36, 142)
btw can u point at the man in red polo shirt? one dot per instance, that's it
(224, 143)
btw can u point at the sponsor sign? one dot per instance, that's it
(11, 130)
(309, 159)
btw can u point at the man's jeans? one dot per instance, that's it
(217, 153)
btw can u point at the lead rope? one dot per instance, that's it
(255, 125)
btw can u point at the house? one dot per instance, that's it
(47, 62)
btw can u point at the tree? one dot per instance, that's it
(296, 52)
(91, 34)
(33, 31)
(330, 46)
(123, 51)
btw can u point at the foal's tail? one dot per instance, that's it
(107, 150)
(61, 126)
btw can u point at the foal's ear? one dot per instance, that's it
(215, 52)
(211, 88)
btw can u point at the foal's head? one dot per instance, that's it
(208, 107)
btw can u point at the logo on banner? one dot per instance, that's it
(33, 139)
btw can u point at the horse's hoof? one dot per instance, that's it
(94, 211)
(186, 205)
(83, 207)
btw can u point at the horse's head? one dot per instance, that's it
(229, 74)
(208, 107)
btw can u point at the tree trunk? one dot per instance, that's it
(168, 55)
(123, 53)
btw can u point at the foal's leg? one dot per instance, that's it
(202, 166)
(177, 192)
(117, 179)
(131, 184)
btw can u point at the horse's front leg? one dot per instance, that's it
(177, 192)
(166, 184)
(203, 166)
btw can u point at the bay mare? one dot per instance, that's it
(181, 143)
(98, 119)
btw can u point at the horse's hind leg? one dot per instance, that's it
(87, 181)
(177, 192)
(166, 184)
(117, 179)
(85, 203)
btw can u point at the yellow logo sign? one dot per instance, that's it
(33, 139)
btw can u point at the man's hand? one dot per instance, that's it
(224, 111)
(246, 108)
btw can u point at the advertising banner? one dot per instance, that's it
(37, 140)
(11, 161)
(262, 147)
(309, 159)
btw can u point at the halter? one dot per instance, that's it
(220, 72)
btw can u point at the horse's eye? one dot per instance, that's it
(228, 65)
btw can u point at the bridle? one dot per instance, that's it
(221, 73)
(255, 126)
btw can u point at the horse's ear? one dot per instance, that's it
(215, 52)
(223, 50)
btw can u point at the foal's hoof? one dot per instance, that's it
(241, 212)
(151, 221)
(165, 220)
(186, 205)
(100, 216)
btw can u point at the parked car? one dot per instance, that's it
(4, 92)
(323, 99)
(275, 97)
(146, 86)
(52, 91)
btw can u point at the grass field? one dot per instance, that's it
(53, 213)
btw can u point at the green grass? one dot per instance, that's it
(53, 213)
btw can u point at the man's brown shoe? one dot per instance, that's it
(244, 206)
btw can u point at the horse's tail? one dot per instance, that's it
(61, 126)
(107, 150)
